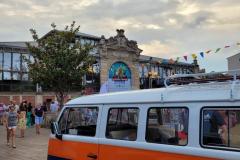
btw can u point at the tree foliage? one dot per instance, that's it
(59, 61)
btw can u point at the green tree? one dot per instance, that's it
(59, 61)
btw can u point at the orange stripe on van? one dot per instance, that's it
(70, 149)
(108, 152)
(79, 151)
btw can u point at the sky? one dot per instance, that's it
(162, 28)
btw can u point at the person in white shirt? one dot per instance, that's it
(54, 107)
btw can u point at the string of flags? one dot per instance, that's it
(195, 55)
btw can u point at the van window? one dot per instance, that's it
(221, 127)
(122, 123)
(80, 121)
(63, 121)
(167, 126)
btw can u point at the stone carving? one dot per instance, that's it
(119, 42)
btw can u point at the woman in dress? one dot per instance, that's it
(29, 113)
(22, 118)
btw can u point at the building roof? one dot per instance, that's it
(21, 44)
(219, 91)
(145, 58)
(87, 36)
(233, 56)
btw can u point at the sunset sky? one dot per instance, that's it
(162, 28)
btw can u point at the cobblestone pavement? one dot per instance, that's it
(32, 147)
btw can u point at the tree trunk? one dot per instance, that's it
(60, 99)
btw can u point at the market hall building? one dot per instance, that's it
(120, 65)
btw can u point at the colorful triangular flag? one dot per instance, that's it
(177, 59)
(218, 49)
(185, 57)
(160, 61)
(171, 61)
(194, 56)
(201, 54)
(208, 51)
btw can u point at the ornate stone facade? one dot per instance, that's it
(119, 49)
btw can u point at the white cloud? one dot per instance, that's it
(163, 28)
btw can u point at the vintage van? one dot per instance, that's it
(193, 121)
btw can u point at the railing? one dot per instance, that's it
(10, 87)
(202, 77)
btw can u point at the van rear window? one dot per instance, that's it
(221, 128)
(167, 126)
(122, 123)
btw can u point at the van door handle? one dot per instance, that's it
(91, 155)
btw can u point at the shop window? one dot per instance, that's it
(221, 128)
(7, 76)
(122, 123)
(167, 126)
(16, 61)
(16, 76)
(7, 61)
(24, 63)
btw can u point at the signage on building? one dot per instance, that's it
(119, 77)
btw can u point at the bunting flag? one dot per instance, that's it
(177, 59)
(208, 51)
(218, 49)
(194, 56)
(160, 61)
(185, 57)
(171, 61)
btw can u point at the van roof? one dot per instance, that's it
(214, 91)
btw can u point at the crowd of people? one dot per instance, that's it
(19, 117)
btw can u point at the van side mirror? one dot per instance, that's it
(55, 130)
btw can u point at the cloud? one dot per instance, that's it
(160, 49)
(163, 28)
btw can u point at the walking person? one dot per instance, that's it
(12, 125)
(5, 123)
(1, 113)
(29, 113)
(38, 113)
(22, 118)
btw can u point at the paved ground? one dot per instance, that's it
(32, 147)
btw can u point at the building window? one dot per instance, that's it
(167, 126)
(122, 123)
(7, 61)
(16, 76)
(7, 76)
(1, 61)
(16, 61)
(24, 63)
(221, 128)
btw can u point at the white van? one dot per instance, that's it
(194, 121)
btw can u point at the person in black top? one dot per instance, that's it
(38, 113)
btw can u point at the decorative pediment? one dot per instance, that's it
(119, 42)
